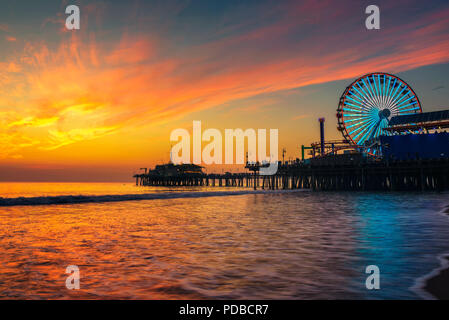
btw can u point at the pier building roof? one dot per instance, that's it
(416, 121)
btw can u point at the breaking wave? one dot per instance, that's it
(75, 199)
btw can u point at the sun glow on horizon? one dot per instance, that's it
(113, 92)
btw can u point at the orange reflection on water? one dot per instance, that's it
(216, 247)
(254, 246)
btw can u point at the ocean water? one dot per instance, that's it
(216, 245)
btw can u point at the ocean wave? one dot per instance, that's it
(76, 199)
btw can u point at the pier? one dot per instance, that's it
(394, 147)
(348, 173)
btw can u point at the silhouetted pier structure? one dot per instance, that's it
(337, 173)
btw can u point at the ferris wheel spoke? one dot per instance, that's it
(371, 130)
(375, 85)
(411, 109)
(373, 92)
(388, 86)
(354, 115)
(370, 89)
(359, 108)
(367, 95)
(385, 94)
(361, 118)
(352, 110)
(357, 102)
(358, 123)
(397, 88)
(393, 105)
(373, 103)
(381, 94)
(388, 91)
(404, 96)
(359, 129)
(407, 105)
(376, 94)
(362, 98)
(377, 91)
(368, 98)
(376, 129)
(398, 95)
(405, 101)
(392, 94)
(361, 101)
(356, 130)
(357, 141)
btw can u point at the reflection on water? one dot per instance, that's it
(268, 246)
(42, 189)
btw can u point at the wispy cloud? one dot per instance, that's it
(438, 88)
(89, 85)
(300, 117)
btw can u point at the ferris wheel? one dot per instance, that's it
(368, 103)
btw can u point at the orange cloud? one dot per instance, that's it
(84, 89)
(301, 116)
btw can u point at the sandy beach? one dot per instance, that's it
(438, 285)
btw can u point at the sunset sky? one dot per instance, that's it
(98, 103)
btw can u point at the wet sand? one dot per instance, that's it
(438, 285)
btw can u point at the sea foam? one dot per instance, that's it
(75, 199)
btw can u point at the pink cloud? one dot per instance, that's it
(91, 88)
